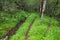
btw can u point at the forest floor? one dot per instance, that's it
(30, 29)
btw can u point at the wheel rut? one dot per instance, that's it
(13, 30)
(27, 32)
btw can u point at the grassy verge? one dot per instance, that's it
(8, 21)
(53, 33)
(21, 31)
(38, 32)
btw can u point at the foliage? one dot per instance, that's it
(11, 12)
(8, 21)
(21, 31)
(53, 8)
(12, 6)
(38, 32)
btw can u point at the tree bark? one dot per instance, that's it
(42, 9)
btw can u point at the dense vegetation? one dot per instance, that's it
(13, 12)
(53, 6)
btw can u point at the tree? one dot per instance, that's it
(42, 9)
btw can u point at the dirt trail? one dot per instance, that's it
(13, 30)
(26, 36)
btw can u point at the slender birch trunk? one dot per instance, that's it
(42, 9)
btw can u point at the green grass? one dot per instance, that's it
(53, 34)
(8, 21)
(37, 32)
(21, 31)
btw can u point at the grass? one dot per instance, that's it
(53, 33)
(8, 21)
(21, 31)
(37, 32)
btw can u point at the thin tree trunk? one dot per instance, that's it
(42, 9)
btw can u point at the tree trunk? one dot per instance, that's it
(42, 9)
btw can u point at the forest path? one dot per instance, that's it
(13, 30)
(27, 32)
(21, 32)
